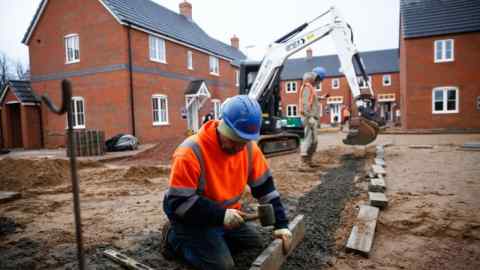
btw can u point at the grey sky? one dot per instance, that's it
(257, 23)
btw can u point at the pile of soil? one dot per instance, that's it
(146, 172)
(22, 174)
(161, 153)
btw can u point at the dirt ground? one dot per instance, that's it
(433, 216)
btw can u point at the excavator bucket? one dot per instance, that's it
(362, 131)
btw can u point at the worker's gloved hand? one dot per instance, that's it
(286, 236)
(312, 121)
(233, 218)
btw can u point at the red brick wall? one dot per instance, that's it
(343, 90)
(421, 75)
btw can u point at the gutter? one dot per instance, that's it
(130, 76)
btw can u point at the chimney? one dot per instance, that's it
(309, 53)
(186, 9)
(235, 42)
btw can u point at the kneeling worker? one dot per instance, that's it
(209, 174)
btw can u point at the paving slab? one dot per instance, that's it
(380, 162)
(378, 170)
(6, 196)
(377, 185)
(363, 231)
(273, 257)
(377, 199)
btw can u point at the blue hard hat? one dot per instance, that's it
(320, 72)
(244, 116)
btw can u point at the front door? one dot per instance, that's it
(192, 113)
(335, 113)
(386, 111)
(15, 125)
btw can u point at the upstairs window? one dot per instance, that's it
(157, 49)
(335, 83)
(443, 51)
(160, 110)
(291, 87)
(78, 112)
(214, 65)
(387, 80)
(72, 48)
(445, 100)
(362, 83)
(291, 110)
(190, 60)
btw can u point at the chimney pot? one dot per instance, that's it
(186, 9)
(235, 42)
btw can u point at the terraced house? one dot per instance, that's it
(136, 67)
(384, 76)
(440, 64)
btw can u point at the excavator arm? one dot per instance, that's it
(363, 127)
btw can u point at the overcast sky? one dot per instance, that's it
(256, 23)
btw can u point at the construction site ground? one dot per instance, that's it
(432, 221)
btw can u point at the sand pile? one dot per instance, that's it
(22, 174)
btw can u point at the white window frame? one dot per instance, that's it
(76, 113)
(190, 60)
(237, 78)
(156, 49)
(157, 98)
(293, 108)
(445, 90)
(361, 82)
(337, 86)
(389, 78)
(214, 65)
(318, 87)
(216, 108)
(72, 39)
(289, 87)
(443, 58)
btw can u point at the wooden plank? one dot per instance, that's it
(420, 146)
(378, 170)
(6, 196)
(380, 161)
(377, 199)
(377, 185)
(272, 257)
(125, 260)
(363, 232)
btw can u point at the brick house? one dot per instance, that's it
(440, 64)
(381, 66)
(131, 64)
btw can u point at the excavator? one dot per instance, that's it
(261, 81)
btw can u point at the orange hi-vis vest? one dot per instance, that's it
(202, 168)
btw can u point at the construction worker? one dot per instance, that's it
(310, 110)
(345, 116)
(209, 174)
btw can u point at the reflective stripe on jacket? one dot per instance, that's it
(202, 168)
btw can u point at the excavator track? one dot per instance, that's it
(279, 144)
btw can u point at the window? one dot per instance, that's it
(362, 83)
(237, 78)
(189, 60)
(78, 112)
(157, 49)
(478, 103)
(216, 108)
(387, 80)
(160, 110)
(214, 68)
(443, 51)
(72, 49)
(445, 100)
(318, 87)
(335, 83)
(291, 110)
(291, 87)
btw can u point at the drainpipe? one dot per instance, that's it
(130, 75)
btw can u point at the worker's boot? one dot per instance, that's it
(165, 248)
(306, 164)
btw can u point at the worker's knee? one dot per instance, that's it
(225, 263)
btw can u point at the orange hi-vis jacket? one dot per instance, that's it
(202, 168)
